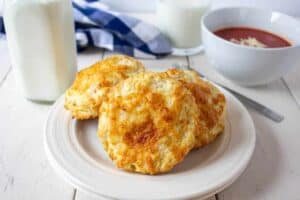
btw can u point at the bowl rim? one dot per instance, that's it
(236, 8)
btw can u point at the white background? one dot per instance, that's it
(291, 7)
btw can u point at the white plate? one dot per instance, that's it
(76, 154)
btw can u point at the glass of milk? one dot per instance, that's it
(41, 41)
(180, 21)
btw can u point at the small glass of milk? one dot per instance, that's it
(180, 21)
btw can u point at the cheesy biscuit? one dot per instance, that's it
(210, 101)
(147, 123)
(84, 97)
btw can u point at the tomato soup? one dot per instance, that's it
(252, 37)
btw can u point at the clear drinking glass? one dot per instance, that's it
(180, 21)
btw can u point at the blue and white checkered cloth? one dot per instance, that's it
(98, 26)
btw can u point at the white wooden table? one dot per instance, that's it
(273, 173)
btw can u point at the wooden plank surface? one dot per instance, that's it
(276, 145)
(292, 81)
(24, 169)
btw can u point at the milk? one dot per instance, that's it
(41, 42)
(180, 21)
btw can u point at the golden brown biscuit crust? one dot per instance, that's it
(148, 123)
(210, 101)
(84, 97)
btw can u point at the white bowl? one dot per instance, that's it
(249, 65)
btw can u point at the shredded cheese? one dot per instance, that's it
(250, 41)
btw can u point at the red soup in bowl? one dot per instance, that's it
(252, 37)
